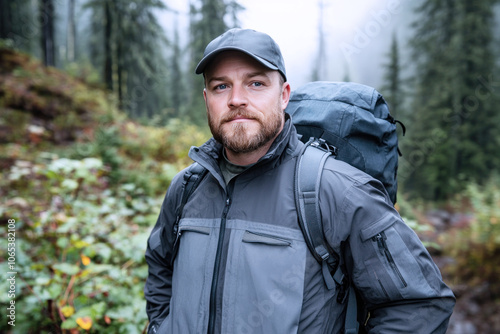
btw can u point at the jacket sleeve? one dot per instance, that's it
(392, 271)
(159, 252)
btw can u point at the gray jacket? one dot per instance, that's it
(242, 266)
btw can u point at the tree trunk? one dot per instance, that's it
(71, 34)
(108, 62)
(47, 28)
(320, 68)
(5, 19)
(119, 54)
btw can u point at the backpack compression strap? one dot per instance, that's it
(308, 171)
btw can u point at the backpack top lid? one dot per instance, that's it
(356, 120)
(343, 92)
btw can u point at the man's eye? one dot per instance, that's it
(257, 84)
(221, 86)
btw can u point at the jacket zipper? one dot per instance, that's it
(215, 278)
(382, 245)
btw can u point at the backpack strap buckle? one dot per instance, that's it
(323, 145)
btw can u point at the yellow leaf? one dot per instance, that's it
(85, 322)
(68, 311)
(85, 260)
(80, 244)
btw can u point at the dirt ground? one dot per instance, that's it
(476, 310)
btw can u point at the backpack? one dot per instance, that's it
(354, 119)
(350, 122)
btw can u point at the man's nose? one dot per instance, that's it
(238, 97)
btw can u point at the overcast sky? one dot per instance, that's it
(357, 34)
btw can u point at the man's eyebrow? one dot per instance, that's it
(257, 74)
(221, 78)
(247, 76)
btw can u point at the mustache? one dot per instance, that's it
(232, 115)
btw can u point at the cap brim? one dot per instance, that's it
(208, 58)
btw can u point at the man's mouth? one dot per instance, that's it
(240, 118)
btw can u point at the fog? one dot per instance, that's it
(356, 34)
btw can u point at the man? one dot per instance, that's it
(239, 262)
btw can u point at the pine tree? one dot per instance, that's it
(132, 45)
(71, 33)
(19, 24)
(233, 9)
(392, 88)
(455, 123)
(95, 38)
(207, 21)
(320, 67)
(177, 85)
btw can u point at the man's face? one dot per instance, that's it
(245, 102)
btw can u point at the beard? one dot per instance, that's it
(238, 138)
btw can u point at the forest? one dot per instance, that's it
(99, 106)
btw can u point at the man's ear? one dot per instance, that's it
(205, 95)
(285, 95)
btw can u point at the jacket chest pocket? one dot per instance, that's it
(263, 288)
(191, 244)
(263, 239)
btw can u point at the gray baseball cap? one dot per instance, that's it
(258, 45)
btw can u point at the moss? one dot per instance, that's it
(60, 103)
(47, 109)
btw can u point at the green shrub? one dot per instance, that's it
(170, 143)
(84, 185)
(476, 247)
(80, 248)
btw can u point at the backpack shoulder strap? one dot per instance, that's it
(308, 172)
(192, 178)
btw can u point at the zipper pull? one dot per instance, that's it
(379, 238)
(176, 227)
